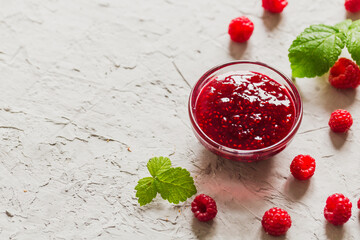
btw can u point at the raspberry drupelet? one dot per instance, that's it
(204, 208)
(340, 121)
(352, 5)
(275, 6)
(240, 29)
(344, 74)
(338, 209)
(303, 167)
(276, 221)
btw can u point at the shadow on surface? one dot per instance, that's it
(233, 180)
(237, 49)
(333, 98)
(334, 232)
(202, 230)
(352, 16)
(271, 20)
(265, 236)
(338, 139)
(296, 188)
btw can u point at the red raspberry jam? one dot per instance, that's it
(245, 110)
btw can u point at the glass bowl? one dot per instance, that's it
(236, 154)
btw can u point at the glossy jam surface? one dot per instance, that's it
(245, 110)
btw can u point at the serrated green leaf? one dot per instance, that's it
(315, 50)
(353, 41)
(146, 190)
(175, 185)
(158, 165)
(344, 25)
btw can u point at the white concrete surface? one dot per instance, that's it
(90, 90)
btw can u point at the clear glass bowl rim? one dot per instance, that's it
(232, 151)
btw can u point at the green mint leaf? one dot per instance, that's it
(353, 41)
(158, 165)
(344, 25)
(146, 190)
(315, 50)
(175, 185)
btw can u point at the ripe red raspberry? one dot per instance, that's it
(275, 6)
(240, 29)
(204, 208)
(303, 167)
(340, 121)
(338, 209)
(352, 5)
(344, 74)
(359, 204)
(276, 221)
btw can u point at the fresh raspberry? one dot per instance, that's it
(275, 6)
(338, 209)
(276, 221)
(204, 208)
(240, 29)
(344, 74)
(352, 5)
(303, 167)
(359, 204)
(340, 121)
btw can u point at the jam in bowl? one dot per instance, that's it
(245, 111)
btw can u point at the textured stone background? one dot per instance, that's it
(90, 90)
